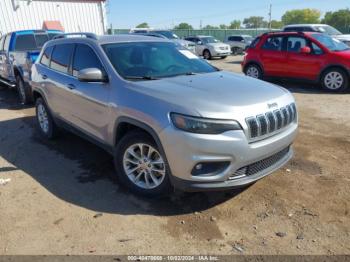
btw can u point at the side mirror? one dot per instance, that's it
(91, 75)
(199, 43)
(305, 50)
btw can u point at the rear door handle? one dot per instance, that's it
(71, 86)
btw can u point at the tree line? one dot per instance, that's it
(339, 19)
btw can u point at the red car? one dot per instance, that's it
(307, 56)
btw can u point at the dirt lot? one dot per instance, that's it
(63, 199)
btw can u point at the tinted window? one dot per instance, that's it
(61, 57)
(45, 59)
(237, 38)
(85, 57)
(295, 44)
(25, 42)
(41, 40)
(7, 43)
(273, 43)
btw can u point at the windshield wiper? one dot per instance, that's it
(141, 78)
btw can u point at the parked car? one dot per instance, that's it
(168, 117)
(18, 51)
(139, 30)
(321, 28)
(238, 43)
(171, 36)
(307, 56)
(209, 47)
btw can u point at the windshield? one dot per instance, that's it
(209, 40)
(248, 38)
(167, 34)
(150, 61)
(331, 43)
(328, 30)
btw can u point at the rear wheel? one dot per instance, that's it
(335, 80)
(140, 165)
(207, 54)
(236, 50)
(45, 123)
(253, 70)
(23, 91)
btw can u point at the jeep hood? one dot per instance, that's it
(214, 94)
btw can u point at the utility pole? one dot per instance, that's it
(200, 24)
(270, 17)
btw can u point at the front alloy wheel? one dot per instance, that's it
(144, 166)
(335, 80)
(141, 166)
(207, 55)
(253, 71)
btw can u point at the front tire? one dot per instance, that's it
(236, 51)
(207, 54)
(24, 93)
(45, 123)
(140, 165)
(335, 80)
(254, 71)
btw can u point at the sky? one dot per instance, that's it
(167, 13)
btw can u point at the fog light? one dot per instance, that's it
(209, 168)
(199, 167)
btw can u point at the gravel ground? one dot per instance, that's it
(62, 197)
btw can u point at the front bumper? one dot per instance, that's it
(221, 53)
(185, 150)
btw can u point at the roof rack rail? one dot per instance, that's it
(87, 35)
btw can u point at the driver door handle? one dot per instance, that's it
(71, 86)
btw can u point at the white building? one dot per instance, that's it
(74, 15)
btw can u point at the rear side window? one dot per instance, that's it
(273, 43)
(25, 42)
(84, 58)
(236, 38)
(45, 59)
(41, 40)
(61, 56)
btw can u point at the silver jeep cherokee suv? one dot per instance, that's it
(168, 117)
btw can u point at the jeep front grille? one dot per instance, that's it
(261, 165)
(270, 122)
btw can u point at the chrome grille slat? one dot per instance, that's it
(270, 122)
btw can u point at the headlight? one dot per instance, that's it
(203, 125)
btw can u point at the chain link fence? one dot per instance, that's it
(220, 34)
